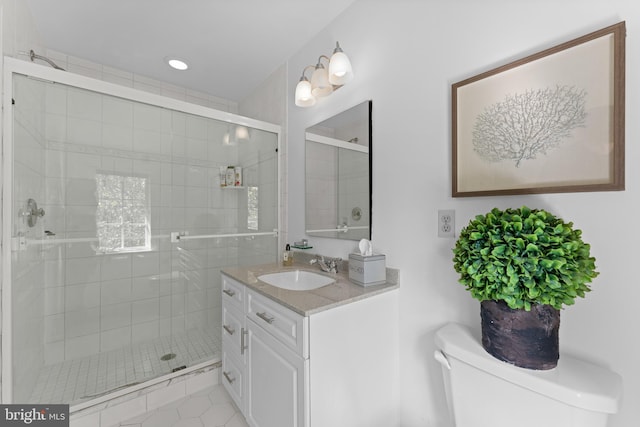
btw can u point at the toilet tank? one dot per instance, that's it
(484, 391)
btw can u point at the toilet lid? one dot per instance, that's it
(575, 382)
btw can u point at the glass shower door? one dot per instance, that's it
(120, 228)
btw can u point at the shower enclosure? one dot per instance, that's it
(115, 228)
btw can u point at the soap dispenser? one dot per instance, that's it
(287, 257)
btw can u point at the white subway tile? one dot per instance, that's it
(84, 131)
(54, 352)
(81, 192)
(82, 270)
(54, 300)
(115, 316)
(80, 165)
(82, 323)
(145, 331)
(115, 338)
(84, 104)
(82, 296)
(81, 218)
(117, 137)
(53, 328)
(115, 291)
(116, 267)
(145, 311)
(145, 287)
(82, 346)
(146, 264)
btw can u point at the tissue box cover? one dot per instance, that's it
(366, 270)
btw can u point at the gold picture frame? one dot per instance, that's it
(551, 122)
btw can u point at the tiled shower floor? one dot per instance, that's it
(74, 381)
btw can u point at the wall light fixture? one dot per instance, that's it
(324, 82)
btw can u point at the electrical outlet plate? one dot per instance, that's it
(446, 222)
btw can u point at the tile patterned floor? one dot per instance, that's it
(75, 381)
(211, 407)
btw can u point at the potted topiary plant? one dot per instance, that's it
(523, 265)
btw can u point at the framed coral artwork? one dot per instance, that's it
(551, 122)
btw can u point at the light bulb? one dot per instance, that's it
(320, 82)
(304, 97)
(242, 133)
(340, 71)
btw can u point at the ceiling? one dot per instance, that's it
(232, 46)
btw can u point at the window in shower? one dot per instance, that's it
(122, 215)
(252, 208)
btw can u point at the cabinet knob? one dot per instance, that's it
(229, 292)
(229, 329)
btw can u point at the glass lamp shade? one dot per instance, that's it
(304, 97)
(340, 71)
(320, 82)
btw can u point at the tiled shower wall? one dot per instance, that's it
(96, 301)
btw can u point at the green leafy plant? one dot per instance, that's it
(523, 257)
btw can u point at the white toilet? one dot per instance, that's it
(483, 391)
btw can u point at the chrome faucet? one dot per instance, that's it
(330, 265)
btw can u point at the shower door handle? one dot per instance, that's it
(243, 344)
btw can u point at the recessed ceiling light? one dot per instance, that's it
(176, 63)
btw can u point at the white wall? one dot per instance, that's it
(405, 55)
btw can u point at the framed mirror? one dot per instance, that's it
(338, 175)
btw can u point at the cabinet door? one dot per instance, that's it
(277, 382)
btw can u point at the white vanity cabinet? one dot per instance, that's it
(234, 335)
(331, 368)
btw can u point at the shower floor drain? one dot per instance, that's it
(168, 356)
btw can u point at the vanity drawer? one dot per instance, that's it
(233, 331)
(233, 293)
(285, 325)
(233, 378)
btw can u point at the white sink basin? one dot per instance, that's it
(296, 280)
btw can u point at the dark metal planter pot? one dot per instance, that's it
(528, 339)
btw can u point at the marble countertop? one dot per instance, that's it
(307, 303)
